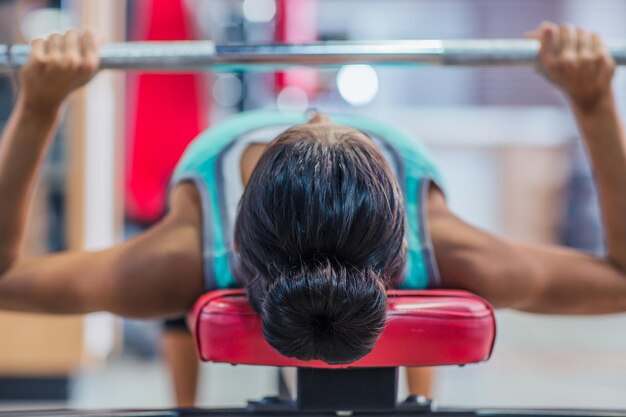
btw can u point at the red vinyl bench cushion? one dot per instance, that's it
(425, 328)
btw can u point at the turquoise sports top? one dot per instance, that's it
(212, 163)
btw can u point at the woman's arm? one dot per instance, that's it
(56, 67)
(538, 279)
(550, 279)
(578, 63)
(157, 274)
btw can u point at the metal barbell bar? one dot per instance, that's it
(205, 55)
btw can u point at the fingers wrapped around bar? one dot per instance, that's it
(57, 66)
(575, 60)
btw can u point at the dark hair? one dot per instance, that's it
(320, 233)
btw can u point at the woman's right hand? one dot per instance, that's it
(576, 61)
(57, 66)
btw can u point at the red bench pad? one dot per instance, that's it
(425, 328)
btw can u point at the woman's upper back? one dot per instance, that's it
(213, 163)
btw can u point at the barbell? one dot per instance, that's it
(177, 56)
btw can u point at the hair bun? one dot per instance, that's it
(326, 312)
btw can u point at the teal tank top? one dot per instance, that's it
(212, 163)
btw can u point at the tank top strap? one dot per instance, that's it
(203, 164)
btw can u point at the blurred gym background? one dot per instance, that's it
(504, 139)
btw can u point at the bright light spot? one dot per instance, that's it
(39, 23)
(292, 98)
(357, 84)
(227, 90)
(259, 10)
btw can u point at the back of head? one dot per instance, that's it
(320, 232)
(325, 312)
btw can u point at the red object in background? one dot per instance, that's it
(165, 112)
(296, 21)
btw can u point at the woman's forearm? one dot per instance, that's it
(56, 66)
(22, 147)
(604, 133)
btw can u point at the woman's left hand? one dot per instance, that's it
(576, 61)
